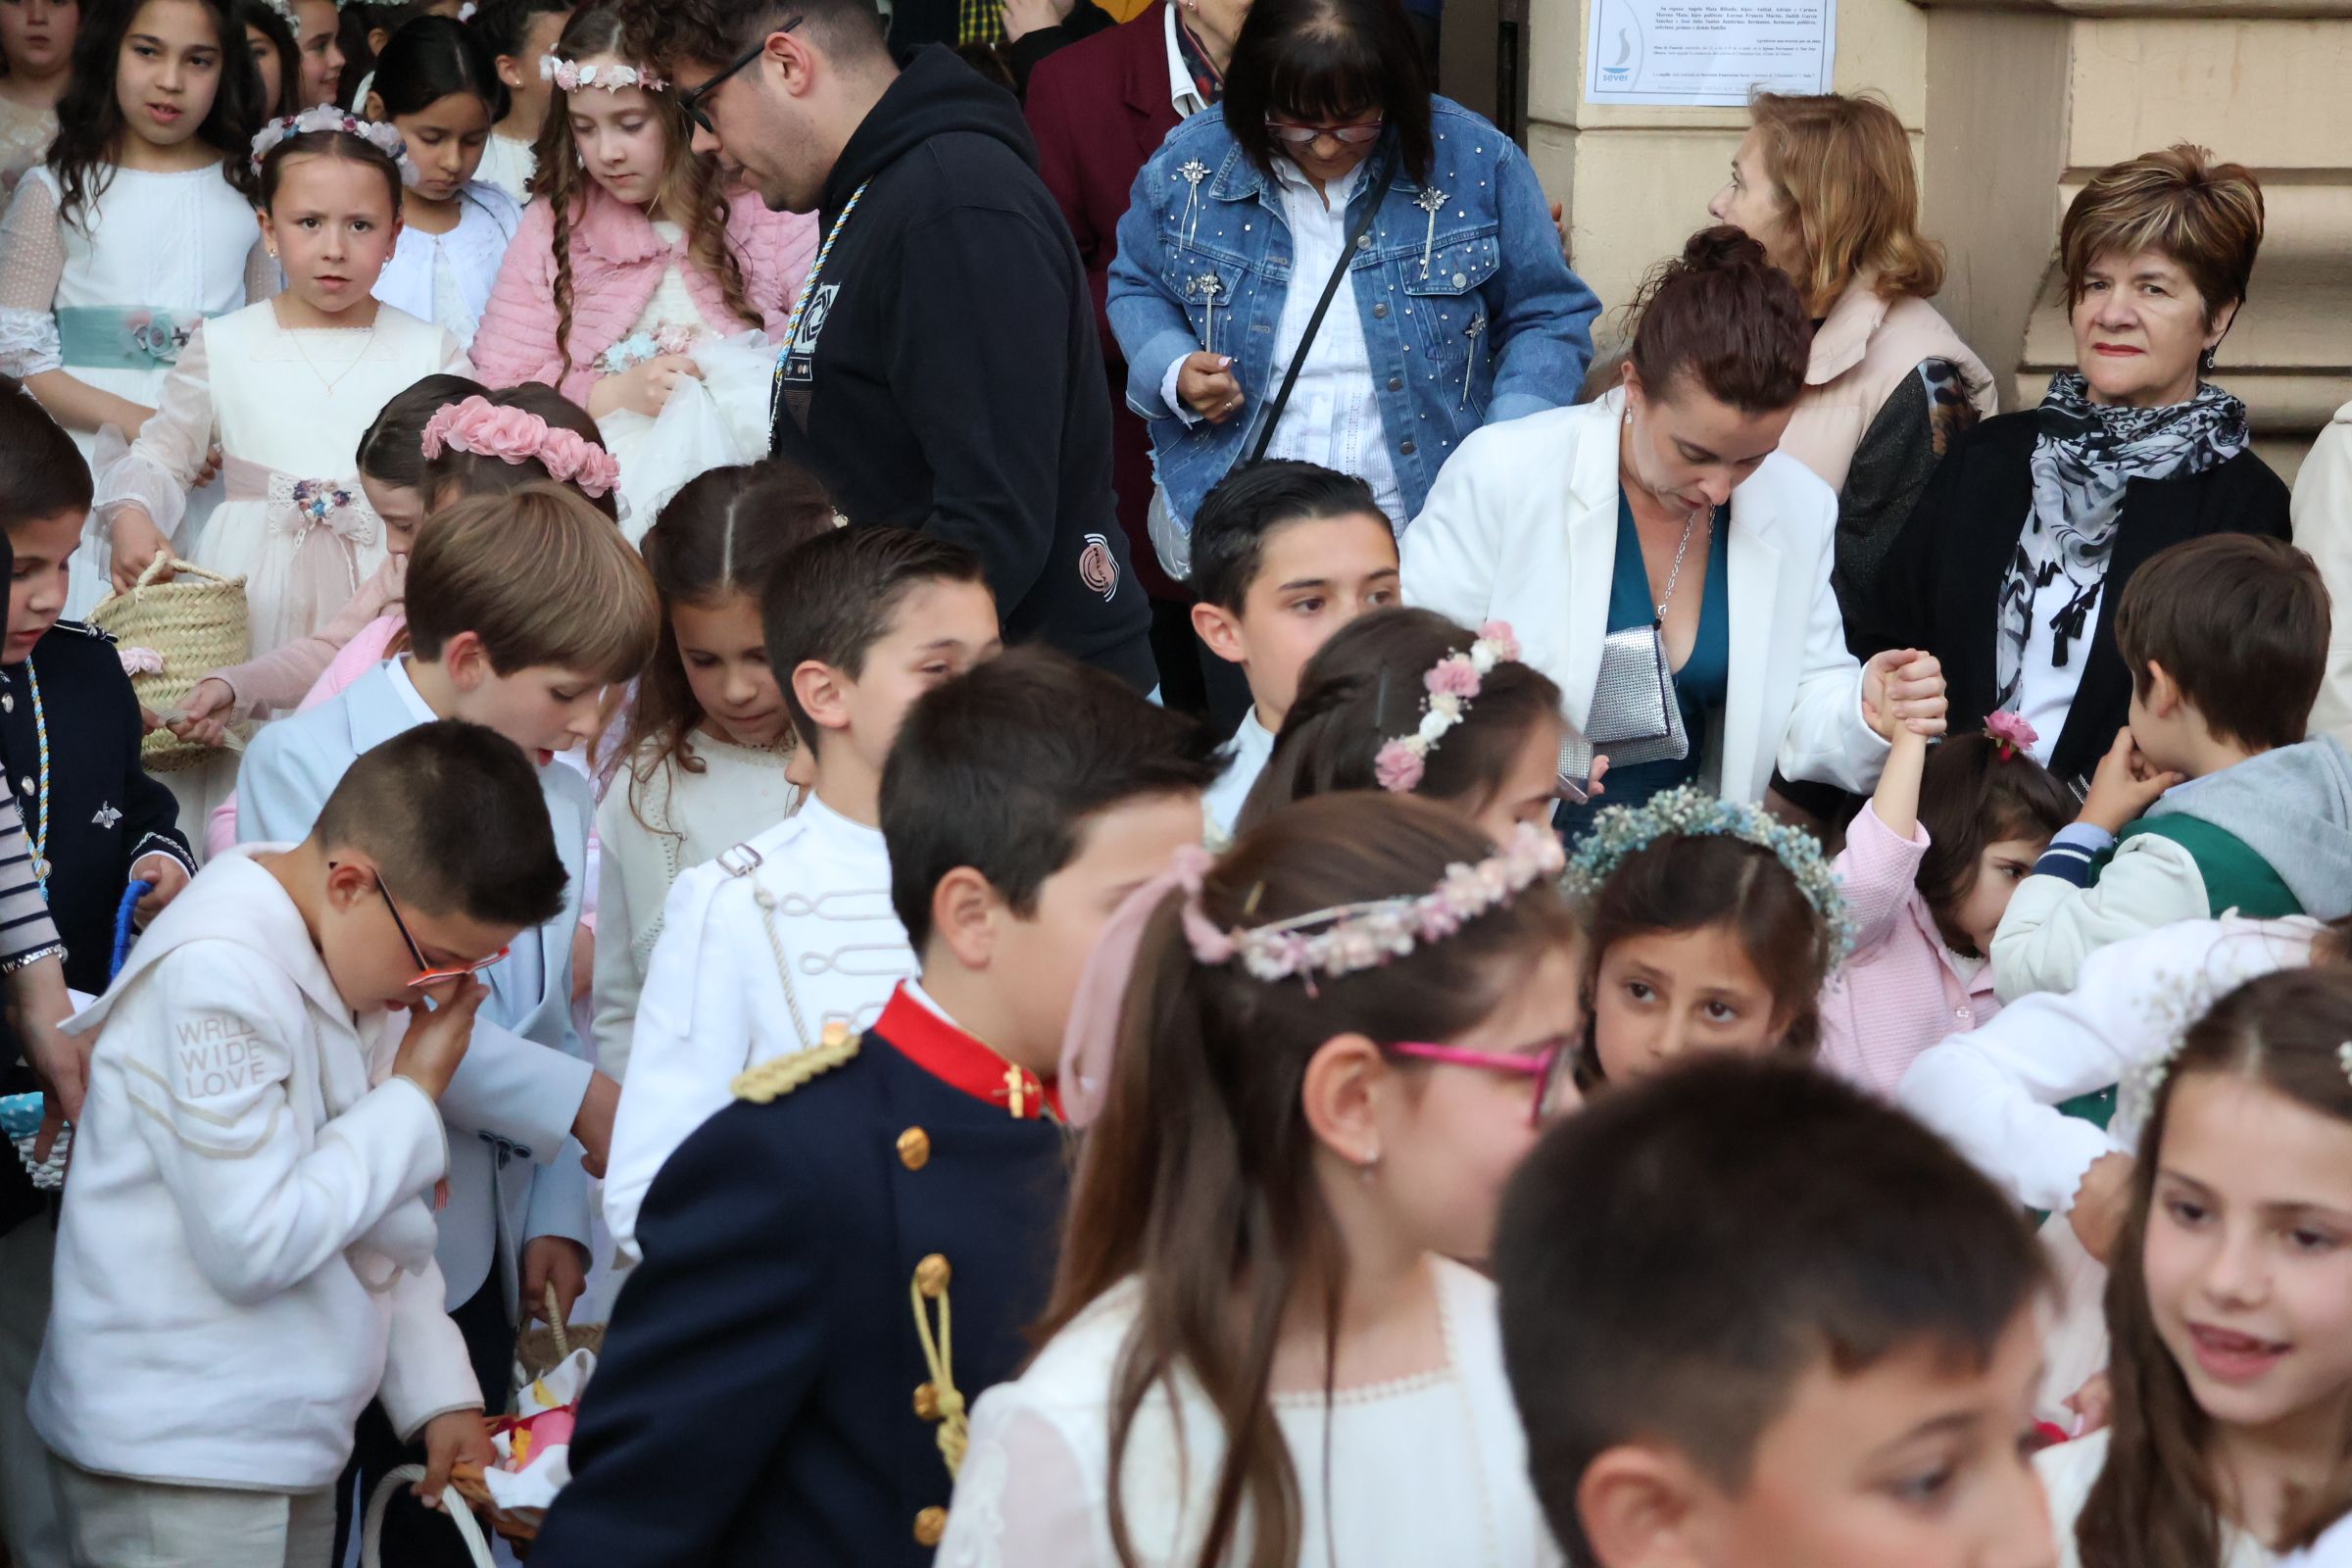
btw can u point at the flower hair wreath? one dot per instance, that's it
(1452, 683)
(326, 116)
(571, 76)
(1351, 937)
(485, 429)
(1621, 831)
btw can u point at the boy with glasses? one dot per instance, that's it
(246, 1256)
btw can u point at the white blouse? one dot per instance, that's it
(446, 278)
(2070, 1469)
(1424, 1470)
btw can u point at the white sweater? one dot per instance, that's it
(739, 794)
(1996, 1092)
(246, 1256)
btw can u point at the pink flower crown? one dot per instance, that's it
(483, 429)
(1452, 683)
(2011, 733)
(1351, 937)
(571, 76)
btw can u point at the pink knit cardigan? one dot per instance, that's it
(617, 263)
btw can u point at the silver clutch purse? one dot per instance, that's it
(1634, 717)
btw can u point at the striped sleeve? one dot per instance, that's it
(25, 931)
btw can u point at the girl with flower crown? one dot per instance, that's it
(637, 272)
(134, 232)
(1928, 870)
(1335, 1045)
(285, 388)
(1406, 700)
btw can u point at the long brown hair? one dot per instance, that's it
(693, 190)
(722, 534)
(1199, 1178)
(2156, 1504)
(1843, 167)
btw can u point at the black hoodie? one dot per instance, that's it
(947, 375)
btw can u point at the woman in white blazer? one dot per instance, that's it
(1537, 522)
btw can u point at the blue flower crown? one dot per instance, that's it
(1619, 831)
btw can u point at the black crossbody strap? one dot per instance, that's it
(1314, 322)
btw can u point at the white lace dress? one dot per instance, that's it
(113, 296)
(287, 409)
(25, 139)
(714, 422)
(1424, 1471)
(446, 278)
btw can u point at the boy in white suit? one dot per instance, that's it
(522, 609)
(786, 940)
(246, 1253)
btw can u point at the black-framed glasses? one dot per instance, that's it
(692, 99)
(1355, 135)
(426, 974)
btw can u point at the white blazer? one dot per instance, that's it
(1522, 526)
(514, 1172)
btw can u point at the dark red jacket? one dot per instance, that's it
(1098, 109)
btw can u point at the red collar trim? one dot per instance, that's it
(960, 1061)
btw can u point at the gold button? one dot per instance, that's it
(929, 1525)
(914, 1148)
(926, 1402)
(931, 1276)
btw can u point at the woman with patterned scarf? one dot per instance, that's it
(2130, 452)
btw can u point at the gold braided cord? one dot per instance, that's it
(955, 1427)
(781, 1075)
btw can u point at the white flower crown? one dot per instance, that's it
(572, 77)
(326, 116)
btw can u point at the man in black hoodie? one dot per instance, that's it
(943, 371)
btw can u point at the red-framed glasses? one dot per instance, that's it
(426, 974)
(1354, 135)
(1553, 1088)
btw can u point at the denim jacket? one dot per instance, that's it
(1470, 313)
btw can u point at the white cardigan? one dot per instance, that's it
(1522, 526)
(1994, 1093)
(2322, 516)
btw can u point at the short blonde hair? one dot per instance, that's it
(2206, 217)
(1843, 167)
(541, 577)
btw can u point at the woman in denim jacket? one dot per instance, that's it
(1459, 308)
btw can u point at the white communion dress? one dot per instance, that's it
(114, 297)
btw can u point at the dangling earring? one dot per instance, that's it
(2205, 361)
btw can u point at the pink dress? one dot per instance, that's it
(362, 654)
(1902, 990)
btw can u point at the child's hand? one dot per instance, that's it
(2094, 1404)
(2100, 1204)
(1903, 687)
(452, 1438)
(436, 1041)
(647, 387)
(2125, 786)
(205, 714)
(593, 1126)
(1208, 387)
(556, 1260)
(137, 542)
(168, 877)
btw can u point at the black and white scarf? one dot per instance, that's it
(2085, 457)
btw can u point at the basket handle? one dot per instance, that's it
(554, 1321)
(164, 561)
(371, 1531)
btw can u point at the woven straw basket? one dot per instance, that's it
(542, 1347)
(197, 622)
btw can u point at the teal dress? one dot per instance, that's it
(1698, 686)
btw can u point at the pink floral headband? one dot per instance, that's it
(571, 76)
(2011, 734)
(326, 116)
(483, 429)
(1452, 683)
(1353, 937)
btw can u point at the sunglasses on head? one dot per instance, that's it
(692, 99)
(1354, 135)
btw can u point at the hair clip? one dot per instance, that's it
(2011, 733)
(571, 76)
(1620, 831)
(1452, 683)
(514, 435)
(1350, 937)
(326, 116)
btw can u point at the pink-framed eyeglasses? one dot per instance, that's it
(1554, 1087)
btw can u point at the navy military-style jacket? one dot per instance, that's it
(766, 1394)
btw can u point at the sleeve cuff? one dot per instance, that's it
(2072, 851)
(1167, 392)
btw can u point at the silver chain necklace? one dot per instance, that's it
(1674, 576)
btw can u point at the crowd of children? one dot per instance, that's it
(994, 1122)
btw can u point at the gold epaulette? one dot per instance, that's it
(780, 1076)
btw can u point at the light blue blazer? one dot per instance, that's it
(514, 1170)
